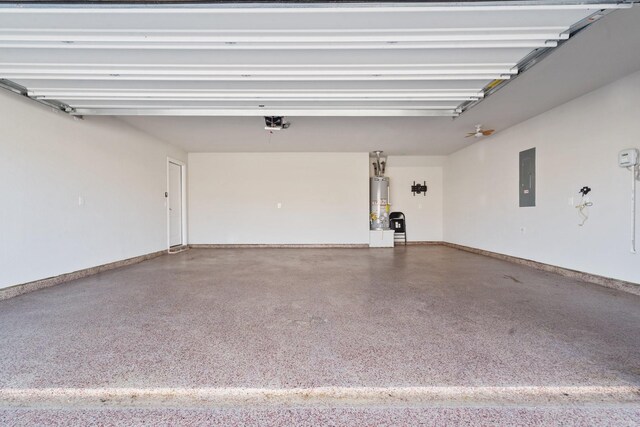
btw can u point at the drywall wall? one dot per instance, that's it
(76, 193)
(577, 145)
(234, 197)
(423, 212)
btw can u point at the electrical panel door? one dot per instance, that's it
(528, 178)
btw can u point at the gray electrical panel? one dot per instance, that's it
(528, 178)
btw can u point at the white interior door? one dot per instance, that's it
(175, 204)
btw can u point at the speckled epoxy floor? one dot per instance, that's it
(417, 321)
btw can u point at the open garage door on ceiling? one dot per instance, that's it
(313, 59)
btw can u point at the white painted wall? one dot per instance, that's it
(233, 198)
(423, 212)
(47, 161)
(577, 144)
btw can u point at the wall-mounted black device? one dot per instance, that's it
(419, 188)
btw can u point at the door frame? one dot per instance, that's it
(183, 202)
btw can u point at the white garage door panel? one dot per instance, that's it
(110, 59)
(302, 18)
(257, 57)
(447, 105)
(251, 86)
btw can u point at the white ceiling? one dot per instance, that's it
(330, 60)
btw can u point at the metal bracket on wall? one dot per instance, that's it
(23, 91)
(419, 188)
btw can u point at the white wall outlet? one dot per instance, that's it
(279, 205)
(80, 201)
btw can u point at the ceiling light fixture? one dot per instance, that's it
(480, 132)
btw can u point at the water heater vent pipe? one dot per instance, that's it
(380, 165)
